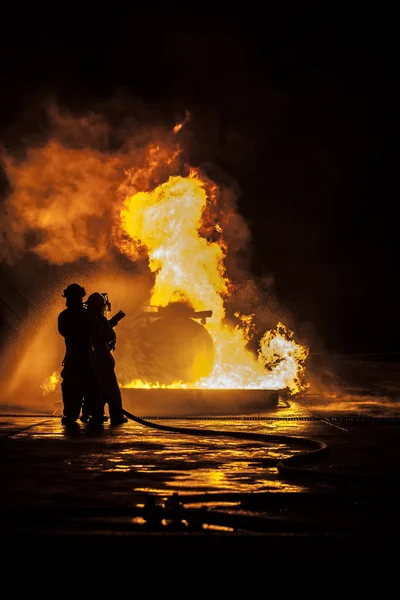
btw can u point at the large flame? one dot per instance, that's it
(80, 203)
(167, 222)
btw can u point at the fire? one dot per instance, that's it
(76, 202)
(179, 126)
(167, 222)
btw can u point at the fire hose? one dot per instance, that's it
(292, 468)
(289, 466)
(297, 467)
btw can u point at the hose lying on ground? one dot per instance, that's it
(291, 468)
(296, 467)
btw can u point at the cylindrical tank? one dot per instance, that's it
(178, 348)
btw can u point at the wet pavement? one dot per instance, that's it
(44, 461)
(93, 485)
(41, 461)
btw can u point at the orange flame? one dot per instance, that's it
(179, 126)
(167, 222)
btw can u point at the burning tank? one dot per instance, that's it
(175, 345)
(174, 348)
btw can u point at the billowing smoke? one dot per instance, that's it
(62, 202)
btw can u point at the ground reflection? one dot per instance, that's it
(161, 461)
(117, 462)
(150, 459)
(354, 405)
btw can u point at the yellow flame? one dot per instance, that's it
(246, 324)
(138, 383)
(166, 222)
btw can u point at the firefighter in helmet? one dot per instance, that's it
(78, 378)
(102, 343)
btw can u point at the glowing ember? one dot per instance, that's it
(179, 126)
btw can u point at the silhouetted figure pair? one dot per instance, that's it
(88, 374)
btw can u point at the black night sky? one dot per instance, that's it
(299, 106)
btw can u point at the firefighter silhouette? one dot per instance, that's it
(102, 340)
(78, 378)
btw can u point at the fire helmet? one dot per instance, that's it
(96, 302)
(74, 290)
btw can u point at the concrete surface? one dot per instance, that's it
(85, 494)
